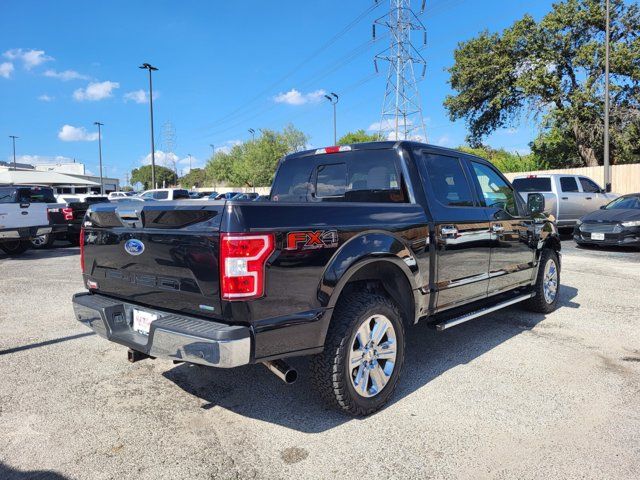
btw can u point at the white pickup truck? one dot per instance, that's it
(567, 197)
(20, 219)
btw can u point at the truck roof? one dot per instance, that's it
(383, 145)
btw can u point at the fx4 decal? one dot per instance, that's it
(312, 239)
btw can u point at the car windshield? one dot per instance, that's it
(628, 202)
(532, 184)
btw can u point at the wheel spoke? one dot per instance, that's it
(379, 329)
(378, 377)
(364, 334)
(387, 351)
(362, 379)
(355, 359)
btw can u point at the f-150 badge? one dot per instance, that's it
(306, 240)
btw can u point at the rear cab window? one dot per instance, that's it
(568, 184)
(532, 184)
(354, 176)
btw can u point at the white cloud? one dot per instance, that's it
(69, 133)
(6, 69)
(96, 91)
(139, 96)
(65, 75)
(30, 58)
(444, 141)
(163, 159)
(45, 98)
(295, 97)
(228, 145)
(389, 126)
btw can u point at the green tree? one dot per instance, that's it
(504, 160)
(197, 177)
(359, 136)
(553, 68)
(253, 163)
(143, 175)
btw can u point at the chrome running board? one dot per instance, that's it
(470, 316)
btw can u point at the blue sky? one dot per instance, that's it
(224, 67)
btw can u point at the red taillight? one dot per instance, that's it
(82, 249)
(242, 261)
(68, 213)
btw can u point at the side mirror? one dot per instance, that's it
(535, 203)
(602, 207)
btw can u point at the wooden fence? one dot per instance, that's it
(624, 178)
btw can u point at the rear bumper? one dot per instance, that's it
(171, 336)
(24, 233)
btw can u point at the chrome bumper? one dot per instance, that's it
(171, 336)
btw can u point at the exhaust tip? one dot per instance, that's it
(282, 370)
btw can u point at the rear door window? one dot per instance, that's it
(162, 195)
(447, 179)
(532, 184)
(568, 184)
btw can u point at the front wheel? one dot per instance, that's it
(547, 286)
(15, 247)
(364, 353)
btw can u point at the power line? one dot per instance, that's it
(296, 69)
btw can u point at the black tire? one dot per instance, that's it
(43, 241)
(330, 373)
(542, 303)
(13, 248)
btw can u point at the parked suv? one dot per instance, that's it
(357, 244)
(567, 197)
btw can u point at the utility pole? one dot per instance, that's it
(333, 100)
(213, 150)
(253, 134)
(147, 66)
(13, 138)
(100, 154)
(607, 168)
(402, 117)
(189, 155)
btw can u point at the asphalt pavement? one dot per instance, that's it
(510, 395)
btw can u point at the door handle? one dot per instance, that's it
(449, 230)
(589, 198)
(565, 198)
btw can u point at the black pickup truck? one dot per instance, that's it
(356, 245)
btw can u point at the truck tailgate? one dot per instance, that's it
(162, 255)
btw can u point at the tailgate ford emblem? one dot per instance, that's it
(134, 247)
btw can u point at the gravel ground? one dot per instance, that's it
(510, 395)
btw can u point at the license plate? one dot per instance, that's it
(142, 321)
(597, 236)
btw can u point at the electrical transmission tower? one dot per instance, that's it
(402, 117)
(168, 144)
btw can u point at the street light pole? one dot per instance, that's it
(333, 99)
(147, 66)
(100, 154)
(213, 150)
(13, 138)
(607, 169)
(189, 162)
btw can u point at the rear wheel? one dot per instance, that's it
(364, 353)
(547, 287)
(15, 247)
(43, 241)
